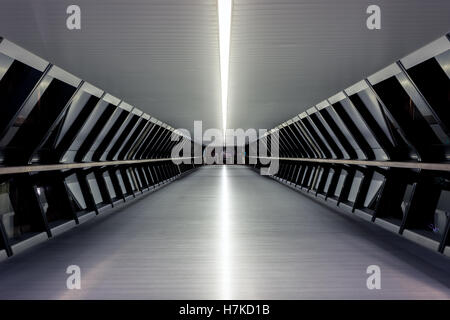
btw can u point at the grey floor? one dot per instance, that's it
(226, 232)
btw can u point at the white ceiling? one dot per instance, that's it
(289, 55)
(162, 56)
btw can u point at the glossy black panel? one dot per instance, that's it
(15, 86)
(434, 84)
(33, 129)
(405, 112)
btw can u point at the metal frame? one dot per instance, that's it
(396, 180)
(87, 157)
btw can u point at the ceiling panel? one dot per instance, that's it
(289, 55)
(160, 56)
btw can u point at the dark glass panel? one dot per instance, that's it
(434, 84)
(15, 86)
(407, 115)
(34, 128)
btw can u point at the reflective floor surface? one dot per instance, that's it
(224, 232)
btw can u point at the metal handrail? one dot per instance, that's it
(68, 166)
(391, 164)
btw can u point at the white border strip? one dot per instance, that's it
(431, 50)
(60, 74)
(390, 71)
(20, 54)
(111, 99)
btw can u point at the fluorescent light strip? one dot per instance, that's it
(224, 13)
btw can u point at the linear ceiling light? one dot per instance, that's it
(224, 13)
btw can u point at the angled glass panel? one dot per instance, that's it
(152, 128)
(135, 128)
(121, 182)
(311, 129)
(340, 183)
(374, 187)
(302, 148)
(434, 83)
(442, 213)
(5, 63)
(87, 97)
(327, 131)
(328, 181)
(127, 129)
(6, 210)
(151, 142)
(365, 135)
(109, 185)
(25, 220)
(302, 132)
(91, 127)
(81, 106)
(107, 134)
(158, 143)
(140, 141)
(95, 189)
(107, 154)
(405, 112)
(37, 118)
(372, 105)
(344, 130)
(75, 190)
(20, 72)
(53, 199)
(128, 145)
(355, 186)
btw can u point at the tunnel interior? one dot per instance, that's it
(361, 177)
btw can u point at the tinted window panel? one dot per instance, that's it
(15, 86)
(407, 115)
(34, 128)
(434, 84)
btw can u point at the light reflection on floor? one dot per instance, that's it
(225, 241)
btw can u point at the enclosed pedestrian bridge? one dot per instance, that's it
(347, 172)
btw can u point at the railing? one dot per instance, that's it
(68, 166)
(395, 127)
(389, 164)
